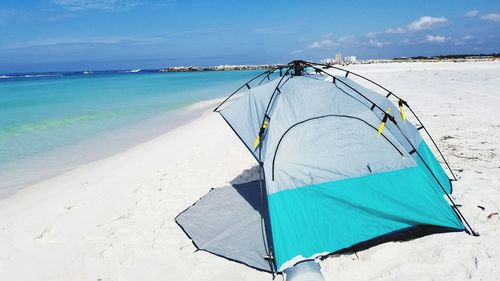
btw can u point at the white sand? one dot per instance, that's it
(114, 219)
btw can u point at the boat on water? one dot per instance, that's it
(134, 70)
(88, 72)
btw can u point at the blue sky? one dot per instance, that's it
(53, 35)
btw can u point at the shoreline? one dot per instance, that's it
(404, 60)
(177, 118)
(124, 203)
(198, 110)
(113, 219)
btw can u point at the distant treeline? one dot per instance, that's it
(460, 56)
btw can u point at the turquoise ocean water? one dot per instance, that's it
(49, 124)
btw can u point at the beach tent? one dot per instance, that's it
(340, 167)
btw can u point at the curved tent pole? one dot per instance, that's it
(242, 86)
(288, 68)
(454, 206)
(262, 80)
(389, 93)
(260, 134)
(374, 105)
(268, 72)
(268, 229)
(435, 145)
(320, 117)
(353, 73)
(266, 226)
(276, 90)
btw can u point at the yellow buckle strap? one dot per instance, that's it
(261, 132)
(382, 124)
(401, 109)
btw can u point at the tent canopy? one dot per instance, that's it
(334, 177)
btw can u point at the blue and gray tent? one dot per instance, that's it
(341, 168)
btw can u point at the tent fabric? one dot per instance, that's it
(301, 158)
(324, 218)
(227, 223)
(331, 181)
(246, 113)
(430, 160)
(407, 128)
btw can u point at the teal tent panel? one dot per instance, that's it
(433, 164)
(319, 219)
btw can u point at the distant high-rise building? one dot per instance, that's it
(328, 61)
(350, 59)
(338, 58)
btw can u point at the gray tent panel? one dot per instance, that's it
(246, 113)
(227, 223)
(321, 153)
(407, 127)
(302, 158)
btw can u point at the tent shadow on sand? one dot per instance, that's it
(227, 221)
(245, 184)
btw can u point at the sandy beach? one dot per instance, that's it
(113, 219)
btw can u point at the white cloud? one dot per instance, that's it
(491, 17)
(370, 34)
(398, 30)
(422, 23)
(377, 43)
(347, 39)
(327, 43)
(413, 41)
(463, 40)
(426, 22)
(436, 38)
(107, 5)
(472, 13)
